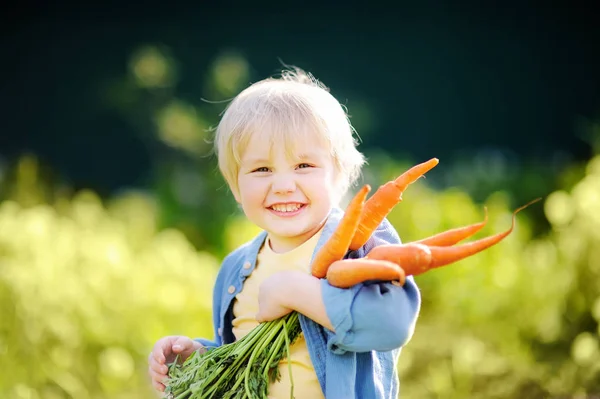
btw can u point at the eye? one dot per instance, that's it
(261, 169)
(304, 165)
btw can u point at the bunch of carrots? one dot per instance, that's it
(245, 368)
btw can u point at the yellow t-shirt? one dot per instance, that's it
(245, 308)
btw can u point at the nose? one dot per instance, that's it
(283, 183)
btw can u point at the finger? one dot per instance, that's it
(159, 368)
(157, 376)
(157, 356)
(182, 344)
(160, 350)
(158, 386)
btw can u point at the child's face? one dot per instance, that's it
(290, 198)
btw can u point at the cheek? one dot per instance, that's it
(334, 184)
(331, 181)
(336, 178)
(250, 191)
(324, 185)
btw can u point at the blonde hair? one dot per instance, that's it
(294, 107)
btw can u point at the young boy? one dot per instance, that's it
(287, 151)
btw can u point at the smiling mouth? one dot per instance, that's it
(286, 208)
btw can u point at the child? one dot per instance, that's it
(286, 149)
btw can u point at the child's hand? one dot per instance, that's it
(272, 296)
(165, 350)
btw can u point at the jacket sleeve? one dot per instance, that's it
(215, 316)
(208, 344)
(216, 307)
(374, 315)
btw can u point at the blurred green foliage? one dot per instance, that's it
(88, 284)
(85, 289)
(520, 320)
(177, 132)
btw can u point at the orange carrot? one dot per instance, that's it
(337, 245)
(348, 272)
(441, 256)
(413, 258)
(451, 237)
(417, 258)
(383, 201)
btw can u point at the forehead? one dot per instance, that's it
(295, 135)
(293, 147)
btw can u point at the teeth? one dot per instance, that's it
(286, 207)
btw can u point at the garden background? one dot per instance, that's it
(113, 218)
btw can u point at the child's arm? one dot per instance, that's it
(217, 299)
(292, 290)
(359, 319)
(378, 316)
(208, 344)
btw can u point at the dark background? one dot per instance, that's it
(439, 79)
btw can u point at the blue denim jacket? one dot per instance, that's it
(372, 321)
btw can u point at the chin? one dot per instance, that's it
(288, 234)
